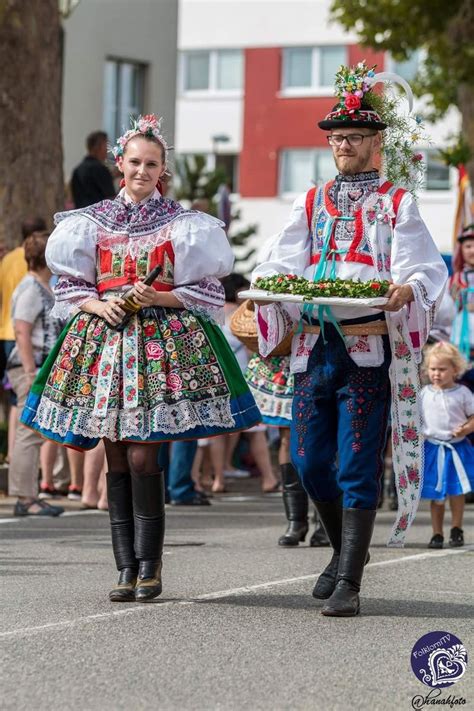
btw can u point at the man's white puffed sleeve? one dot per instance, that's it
(288, 252)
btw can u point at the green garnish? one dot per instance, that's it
(349, 288)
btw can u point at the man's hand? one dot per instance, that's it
(398, 295)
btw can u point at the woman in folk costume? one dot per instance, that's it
(168, 374)
(271, 383)
(462, 291)
(358, 226)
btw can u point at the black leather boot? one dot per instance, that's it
(295, 501)
(319, 538)
(330, 514)
(119, 494)
(357, 528)
(149, 514)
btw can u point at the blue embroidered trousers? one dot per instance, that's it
(339, 424)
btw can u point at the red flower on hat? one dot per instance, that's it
(352, 102)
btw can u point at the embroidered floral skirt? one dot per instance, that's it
(271, 384)
(170, 375)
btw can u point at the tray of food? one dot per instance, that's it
(337, 292)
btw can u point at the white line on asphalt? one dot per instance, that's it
(23, 519)
(214, 595)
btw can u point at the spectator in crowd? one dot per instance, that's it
(13, 268)
(36, 333)
(447, 409)
(91, 180)
(462, 291)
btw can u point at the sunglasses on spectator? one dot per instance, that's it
(353, 139)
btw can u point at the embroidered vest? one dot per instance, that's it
(322, 215)
(115, 270)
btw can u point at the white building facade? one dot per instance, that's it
(254, 77)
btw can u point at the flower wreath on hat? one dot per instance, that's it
(360, 107)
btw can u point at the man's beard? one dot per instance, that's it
(350, 165)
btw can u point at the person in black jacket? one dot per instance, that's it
(91, 179)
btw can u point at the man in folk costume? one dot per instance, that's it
(358, 226)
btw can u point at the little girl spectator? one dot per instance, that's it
(447, 409)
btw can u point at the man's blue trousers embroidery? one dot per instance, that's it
(339, 426)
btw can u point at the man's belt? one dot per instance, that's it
(372, 328)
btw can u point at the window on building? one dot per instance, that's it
(408, 68)
(301, 168)
(212, 71)
(124, 88)
(311, 68)
(437, 174)
(229, 163)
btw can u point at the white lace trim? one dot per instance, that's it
(181, 226)
(119, 424)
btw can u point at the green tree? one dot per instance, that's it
(445, 30)
(197, 183)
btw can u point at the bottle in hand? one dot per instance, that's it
(129, 305)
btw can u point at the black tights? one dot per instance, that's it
(140, 459)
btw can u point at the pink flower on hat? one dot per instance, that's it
(352, 102)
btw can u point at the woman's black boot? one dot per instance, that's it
(330, 514)
(295, 501)
(357, 529)
(149, 514)
(119, 494)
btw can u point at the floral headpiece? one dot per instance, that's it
(360, 107)
(352, 85)
(149, 125)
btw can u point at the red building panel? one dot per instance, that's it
(272, 123)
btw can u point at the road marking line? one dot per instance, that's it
(23, 519)
(214, 595)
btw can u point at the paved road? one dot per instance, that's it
(236, 627)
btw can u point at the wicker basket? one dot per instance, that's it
(243, 326)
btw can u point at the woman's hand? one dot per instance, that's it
(110, 311)
(145, 295)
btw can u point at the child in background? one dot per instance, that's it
(447, 410)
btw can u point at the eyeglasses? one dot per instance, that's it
(353, 139)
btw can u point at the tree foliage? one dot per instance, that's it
(445, 30)
(197, 183)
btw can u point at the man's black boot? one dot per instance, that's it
(295, 502)
(357, 529)
(330, 514)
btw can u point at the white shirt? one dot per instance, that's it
(443, 411)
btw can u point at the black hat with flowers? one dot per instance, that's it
(353, 87)
(467, 233)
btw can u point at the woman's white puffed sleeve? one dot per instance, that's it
(202, 255)
(201, 249)
(71, 254)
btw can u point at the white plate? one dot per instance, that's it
(260, 295)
